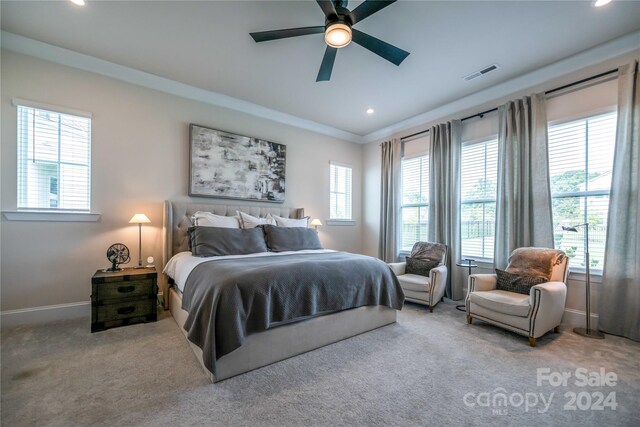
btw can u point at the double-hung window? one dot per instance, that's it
(340, 192)
(54, 160)
(580, 166)
(415, 201)
(479, 172)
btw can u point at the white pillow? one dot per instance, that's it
(248, 221)
(291, 222)
(208, 219)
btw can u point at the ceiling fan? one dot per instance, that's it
(338, 32)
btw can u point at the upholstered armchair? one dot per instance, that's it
(428, 290)
(531, 315)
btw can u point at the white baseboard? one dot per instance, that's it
(48, 313)
(45, 314)
(578, 318)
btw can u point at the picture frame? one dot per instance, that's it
(231, 166)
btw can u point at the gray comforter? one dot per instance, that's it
(227, 300)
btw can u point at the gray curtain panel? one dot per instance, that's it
(389, 189)
(523, 208)
(444, 198)
(619, 306)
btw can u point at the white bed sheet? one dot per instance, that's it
(181, 264)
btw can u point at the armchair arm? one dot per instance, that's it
(398, 268)
(438, 278)
(547, 300)
(481, 282)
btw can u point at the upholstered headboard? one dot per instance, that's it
(177, 220)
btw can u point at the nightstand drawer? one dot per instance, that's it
(125, 310)
(125, 289)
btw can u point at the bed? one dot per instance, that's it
(277, 341)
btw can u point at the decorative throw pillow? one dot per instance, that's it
(420, 267)
(208, 219)
(516, 282)
(217, 241)
(291, 222)
(280, 239)
(249, 221)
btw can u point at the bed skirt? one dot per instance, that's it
(289, 340)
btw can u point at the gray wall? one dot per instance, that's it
(140, 146)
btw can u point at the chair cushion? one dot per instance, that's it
(502, 302)
(414, 282)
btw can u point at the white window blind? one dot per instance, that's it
(340, 192)
(580, 165)
(415, 201)
(54, 160)
(479, 175)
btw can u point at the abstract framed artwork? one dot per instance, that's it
(230, 166)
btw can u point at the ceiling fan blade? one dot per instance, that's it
(389, 52)
(327, 64)
(264, 36)
(327, 7)
(368, 8)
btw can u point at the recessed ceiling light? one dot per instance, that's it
(600, 3)
(370, 110)
(78, 2)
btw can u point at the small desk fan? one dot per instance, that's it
(117, 254)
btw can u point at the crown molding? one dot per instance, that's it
(571, 64)
(587, 58)
(48, 52)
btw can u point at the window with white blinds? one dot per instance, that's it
(340, 192)
(415, 201)
(479, 177)
(54, 160)
(580, 165)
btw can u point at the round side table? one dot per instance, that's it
(468, 263)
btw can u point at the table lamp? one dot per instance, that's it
(316, 222)
(139, 219)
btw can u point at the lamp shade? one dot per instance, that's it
(139, 219)
(316, 222)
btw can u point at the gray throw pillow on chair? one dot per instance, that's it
(420, 267)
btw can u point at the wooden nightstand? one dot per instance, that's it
(123, 297)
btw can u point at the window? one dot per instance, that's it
(478, 184)
(580, 165)
(415, 201)
(54, 160)
(340, 192)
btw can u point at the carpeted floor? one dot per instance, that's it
(420, 371)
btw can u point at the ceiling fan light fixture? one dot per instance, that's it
(600, 3)
(337, 35)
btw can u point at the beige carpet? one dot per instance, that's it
(416, 372)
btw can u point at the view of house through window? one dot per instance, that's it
(415, 201)
(54, 160)
(580, 165)
(340, 192)
(478, 184)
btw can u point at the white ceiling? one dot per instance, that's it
(207, 45)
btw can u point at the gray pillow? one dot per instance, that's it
(517, 283)
(419, 266)
(217, 241)
(280, 239)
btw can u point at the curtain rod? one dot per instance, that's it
(549, 92)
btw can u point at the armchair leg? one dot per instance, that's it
(532, 341)
(556, 329)
(430, 309)
(469, 319)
